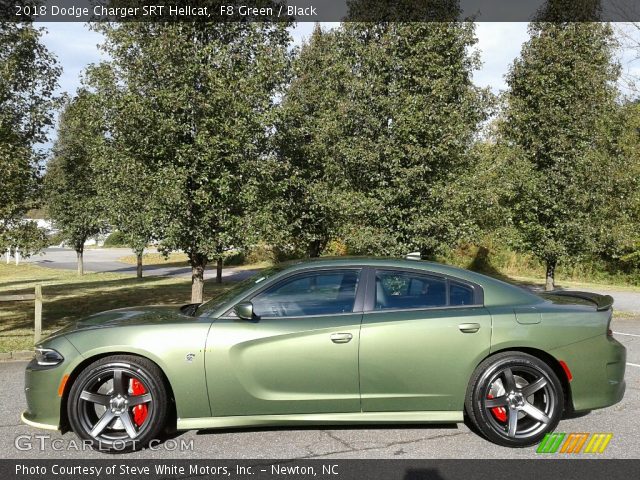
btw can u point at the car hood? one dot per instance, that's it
(123, 317)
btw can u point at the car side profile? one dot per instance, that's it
(333, 342)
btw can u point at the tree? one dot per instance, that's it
(308, 205)
(411, 119)
(125, 186)
(24, 237)
(201, 100)
(70, 182)
(559, 122)
(28, 79)
(621, 239)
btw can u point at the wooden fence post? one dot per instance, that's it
(38, 314)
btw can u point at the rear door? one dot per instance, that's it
(422, 336)
(300, 355)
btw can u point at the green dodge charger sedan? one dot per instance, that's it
(327, 342)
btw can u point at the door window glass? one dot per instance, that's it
(460, 294)
(405, 290)
(399, 290)
(315, 293)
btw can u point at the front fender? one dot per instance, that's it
(178, 351)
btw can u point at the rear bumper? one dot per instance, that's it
(597, 365)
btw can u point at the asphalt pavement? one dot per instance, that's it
(442, 441)
(107, 260)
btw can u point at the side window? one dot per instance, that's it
(316, 293)
(406, 290)
(398, 290)
(460, 294)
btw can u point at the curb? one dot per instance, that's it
(16, 355)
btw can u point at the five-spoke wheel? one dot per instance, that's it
(514, 399)
(118, 403)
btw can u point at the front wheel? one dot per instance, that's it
(514, 399)
(118, 403)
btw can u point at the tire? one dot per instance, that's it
(514, 409)
(118, 403)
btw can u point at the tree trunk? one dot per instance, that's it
(198, 264)
(551, 275)
(427, 253)
(80, 255)
(219, 270)
(314, 248)
(139, 264)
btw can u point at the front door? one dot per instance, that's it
(420, 342)
(300, 354)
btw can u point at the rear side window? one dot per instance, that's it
(460, 294)
(407, 290)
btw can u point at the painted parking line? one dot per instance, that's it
(633, 364)
(627, 334)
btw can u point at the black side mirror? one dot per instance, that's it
(190, 309)
(244, 310)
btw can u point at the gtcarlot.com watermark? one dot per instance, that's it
(44, 442)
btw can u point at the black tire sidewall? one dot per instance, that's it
(153, 381)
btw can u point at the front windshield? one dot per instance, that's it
(238, 288)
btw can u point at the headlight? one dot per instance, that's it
(48, 357)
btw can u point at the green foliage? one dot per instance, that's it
(195, 105)
(375, 135)
(313, 188)
(25, 237)
(28, 78)
(125, 185)
(621, 241)
(414, 120)
(116, 239)
(235, 258)
(70, 182)
(559, 126)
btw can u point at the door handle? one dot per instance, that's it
(341, 337)
(469, 327)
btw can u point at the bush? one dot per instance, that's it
(116, 239)
(234, 258)
(336, 248)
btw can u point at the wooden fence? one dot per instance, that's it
(37, 296)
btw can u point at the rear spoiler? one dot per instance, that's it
(602, 302)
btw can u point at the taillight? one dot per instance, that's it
(609, 332)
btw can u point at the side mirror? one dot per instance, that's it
(244, 310)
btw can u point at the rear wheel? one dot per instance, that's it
(514, 399)
(118, 403)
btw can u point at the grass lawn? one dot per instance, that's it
(175, 259)
(68, 297)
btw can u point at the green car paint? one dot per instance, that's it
(397, 366)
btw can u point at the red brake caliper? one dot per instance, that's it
(139, 411)
(499, 412)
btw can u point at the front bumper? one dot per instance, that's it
(45, 426)
(597, 365)
(41, 386)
